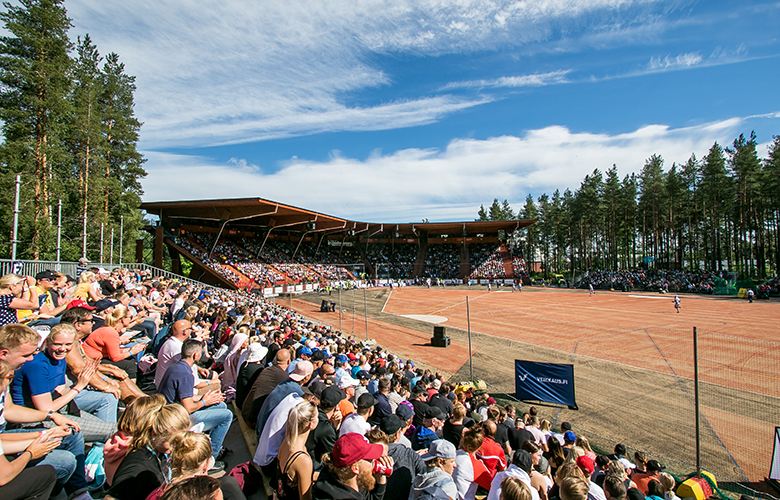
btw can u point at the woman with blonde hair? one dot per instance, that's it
(295, 476)
(16, 292)
(191, 456)
(137, 415)
(575, 453)
(105, 343)
(583, 443)
(144, 467)
(667, 481)
(84, 290)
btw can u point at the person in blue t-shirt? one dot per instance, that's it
(41, 384)
(178, 386)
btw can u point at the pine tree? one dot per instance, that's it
(34, 65)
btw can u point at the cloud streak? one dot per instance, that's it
(532, 80)
(447, 184)
(233, 71)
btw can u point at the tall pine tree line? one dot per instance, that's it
(70, 131)
(720, 212)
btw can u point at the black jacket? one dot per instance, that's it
(321, 439)
(329, 488)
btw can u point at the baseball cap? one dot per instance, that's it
(654, 466)
(80, 303)
(341, 358)
(347, 381)
(352, 447)
(391, 424)
(569, 436)
(305, 350)
(103, 304)
(586, 464)
(302, 370)
(366, 400)
(318, 355)
(441, 448)
(522, 459)
(404, 412)
(351, 356)
(45, 275)
(330, 397)
(434, 412)
(362, 375)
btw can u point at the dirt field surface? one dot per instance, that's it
(632, 355)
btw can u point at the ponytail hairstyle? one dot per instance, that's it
(139, 413)
(299, 420)
(116, 316)
(167, 420)
(189, 450)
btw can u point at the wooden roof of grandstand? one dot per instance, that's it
(257, 213)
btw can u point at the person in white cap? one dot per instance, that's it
(437, 482)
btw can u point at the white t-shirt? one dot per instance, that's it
(169, 355)
(272, 437)
(354, 423)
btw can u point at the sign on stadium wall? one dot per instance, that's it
(545, 383)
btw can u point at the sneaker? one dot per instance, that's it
(217, 468)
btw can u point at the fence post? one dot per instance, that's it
(696, 399)
(15, 234)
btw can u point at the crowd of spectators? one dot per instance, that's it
(442, 261)
(653, 280)
(393, 261)
(486, 261)
(335, 418)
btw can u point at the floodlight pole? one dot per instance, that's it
(15, 237)
(365, 310)
(121, 234)
(340, 311)
(112, 246)
(101, 242)
(59, 231)
(468, 321)
(84, 238)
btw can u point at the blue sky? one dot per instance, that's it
(403, 110)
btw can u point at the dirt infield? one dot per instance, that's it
(632, 354)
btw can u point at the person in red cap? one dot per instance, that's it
(349, 472)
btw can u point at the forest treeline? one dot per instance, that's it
(720, 212)
(70, 131)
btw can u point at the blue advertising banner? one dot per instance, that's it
(545, 382)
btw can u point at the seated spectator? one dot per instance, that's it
(437, 481)
(348, 474)
(428, 431)
(358, 422)
(137, 415)
(104, 344)
(407, 464)
(16, 293)
(470, 471)
(41, 384)
(324, 437)
(249, 371)
(491, 452)
(109, 379)
(142, 470)
(191, 456)
(520, 468)
(294, 465)
(16, 481)
(177, 386)
(195, 488)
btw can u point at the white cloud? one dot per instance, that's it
(448, 184)
(532, 80)
(682, 61)
(214, 72)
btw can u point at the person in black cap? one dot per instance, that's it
(420, 404)
(322, 439)
(653, 471)
(429, 431)
(406, 414)
(45, 282)
(520, 468)
(407, 464)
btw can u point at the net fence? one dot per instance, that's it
(646, 399)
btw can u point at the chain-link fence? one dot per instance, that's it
(646, 400)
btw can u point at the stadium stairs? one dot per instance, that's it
(506, 259)
(206, 274)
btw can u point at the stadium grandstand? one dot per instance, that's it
(257, 244)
